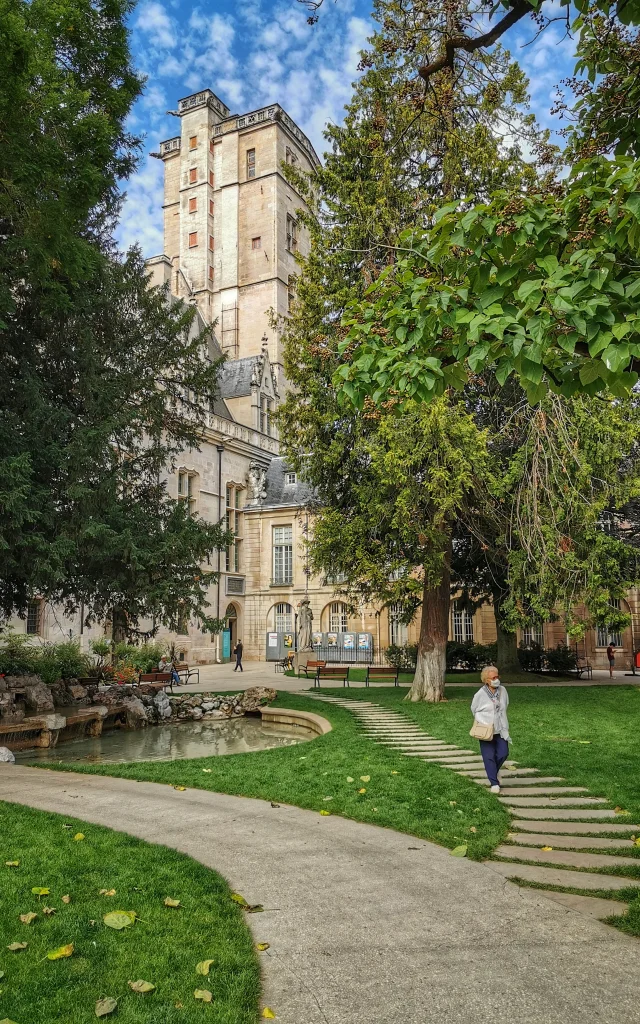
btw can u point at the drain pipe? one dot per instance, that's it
(219, 449)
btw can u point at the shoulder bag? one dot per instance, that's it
(480, 731)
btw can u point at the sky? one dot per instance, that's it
(255, 52)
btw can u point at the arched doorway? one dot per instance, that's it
(231, 615)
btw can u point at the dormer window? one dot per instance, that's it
(290, 478)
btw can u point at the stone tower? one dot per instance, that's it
(231, 229)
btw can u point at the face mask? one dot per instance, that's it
(495, 683)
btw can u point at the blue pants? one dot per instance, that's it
(494, 753)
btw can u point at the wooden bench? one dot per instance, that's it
(157, 677)
(184, 670)
(332, 672)
(284, 664)
(583, 667)
(311, 666)
(389, 675)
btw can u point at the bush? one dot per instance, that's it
(61, 661)
(18, 656)
(532, 657)
(469, 656)
(561, 658)
(402, 656)
(144, 658)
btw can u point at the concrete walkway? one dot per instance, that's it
(366, 924)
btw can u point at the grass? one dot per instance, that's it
(358, 675)
(403, 793)
(163, 947)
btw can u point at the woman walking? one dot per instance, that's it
(490, 727)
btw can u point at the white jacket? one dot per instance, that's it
(486, 712)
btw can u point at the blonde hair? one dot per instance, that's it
(486, 670)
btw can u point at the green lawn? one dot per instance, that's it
(358, 675)
(162, 947)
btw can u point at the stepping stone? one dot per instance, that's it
(591, 906)
(573, 828)
(512, 775)
(418, 745)
(567, 858)
(543, 801)
(568, 842)
(573, 814)
(540, 790)
(534, 780)
(458, 755)
(449, 764)
(561, 876)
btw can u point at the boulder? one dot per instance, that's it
(78, 694)
(256, 697)
(7, 756)
(197, 713)
(136, 716)
(38, 697)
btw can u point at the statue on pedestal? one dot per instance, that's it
(305, 625)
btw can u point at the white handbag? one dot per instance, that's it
(480, 731)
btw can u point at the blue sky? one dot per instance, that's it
(254, 52)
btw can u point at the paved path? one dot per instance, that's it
(367, 924)
(557, 835)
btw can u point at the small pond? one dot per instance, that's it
(171, 742)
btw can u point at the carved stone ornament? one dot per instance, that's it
(257, 482)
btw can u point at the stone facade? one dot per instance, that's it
(231, 231)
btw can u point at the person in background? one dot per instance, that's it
(166, 665)
(237, 650)
(611, 656)
(489, 707)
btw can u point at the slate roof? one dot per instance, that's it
(235, 377)
(281, 493)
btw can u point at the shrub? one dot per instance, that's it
(468, 656)
(18, 656)
(402, 656)
(532, 657)
(561, 658)
(61, 661)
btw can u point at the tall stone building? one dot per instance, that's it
(231, 232)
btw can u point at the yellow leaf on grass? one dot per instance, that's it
(180, 789)
(208, 770)
(106, 1006)
(28, 918)
(119, 919)
(66, 899)
(16, 947)
(325, 814)
(365, 778)
(619, 810)
(268, 1013)
(48, 911)
(363, 790)
(546, 848)
(325, 798)
(262, 946)
(459, 851)
(172, 903)
(79, 836)
(39, 891)
(637, 841)
(107, 892)
(395, 773)
(452, 803)
(12, 863)
(60, 952)
(204, 995)
(237, 898)
(140, 986)
(204, 967)
(473, 829)
(349, 779)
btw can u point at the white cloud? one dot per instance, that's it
(141, 221)
(155, 23)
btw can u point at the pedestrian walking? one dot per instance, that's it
(611, 655)
(237, 650)
(490, 726)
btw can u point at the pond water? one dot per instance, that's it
(171, 742)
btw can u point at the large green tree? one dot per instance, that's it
(104, 381)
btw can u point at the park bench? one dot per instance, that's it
(185, 673)
(388, 675)
(157, 677)
(331, 672)
(311, 666)
(284, 664)
(583, 668)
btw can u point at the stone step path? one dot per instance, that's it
(547, 813)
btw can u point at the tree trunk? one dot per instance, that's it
(119, 625)
(507, 661)
(429, 678)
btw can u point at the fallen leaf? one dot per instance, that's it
(546, 848)
(106, 1006)
(12, 863)
(119, 919)
(141, 986)
(619, 810)
(268, 1013)
(584, 741)
(28, 918)
(60, 952)
(37, 891)
(79, 836)
(203, 994)
(178, 1006)
(473, 829)
(325, 814)
(237, 898)
(349, 779)
(325, 798)
(257, 908)
(67, 826)
(180, 789)
(172, 903)
(262, 946)
(107, 892)
(395, 773)
(459, 851)
(363, 790)
(365, 778)
(1, 974)
(5, 1020)
(637, 841)
(274, 805)
(15, 947)
(208, 770)
(66, 899)
(48, 911)
(452, 803)
(204, 967)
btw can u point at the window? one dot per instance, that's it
(234, 524)
(211, 242)
(193, 239)
(193, 175)
(256, 243)
(251, 163)
(290, 478)
(284, 618)
(211, 207)
(462, 621)
(292, 233)
(338, 617)
(187, 489)
(211, 179)
(193, 205)
(397, 628)
(533, 634)
(604, 635)
(265, 415)
(34, 617)
(193, 142)
(211, 273)
(283, 554)
(290, 157)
